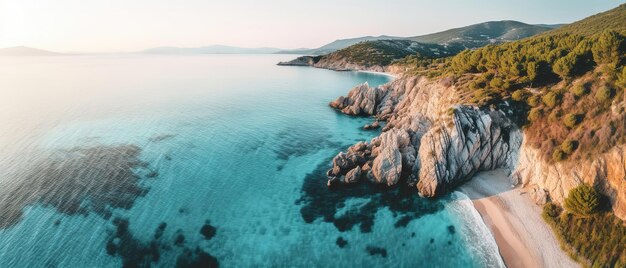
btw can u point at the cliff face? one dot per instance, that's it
(431, 142)
(607, 172)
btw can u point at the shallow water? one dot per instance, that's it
(98, 151)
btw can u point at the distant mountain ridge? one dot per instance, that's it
(471, 36)
(477, 35)
(26, 51)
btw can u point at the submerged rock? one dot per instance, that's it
(341, 242)
(372, 126)
(372, 250)
(208, 231)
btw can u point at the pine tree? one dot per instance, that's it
(609, 48)
(583, 200)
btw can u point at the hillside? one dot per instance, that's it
(481, 34)
(384, 52)
(26, 51)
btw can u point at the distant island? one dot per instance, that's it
(26, 51)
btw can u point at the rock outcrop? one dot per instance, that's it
(361, 100)
(476, 141)
(301, 61)
(432, 142)
(372, 126)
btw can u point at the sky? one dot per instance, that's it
(131, 25)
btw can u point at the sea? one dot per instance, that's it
(203, 161)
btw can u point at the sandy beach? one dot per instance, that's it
(523, 238)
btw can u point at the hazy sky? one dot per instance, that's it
(127, 25)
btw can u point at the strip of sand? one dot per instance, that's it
(523, 238)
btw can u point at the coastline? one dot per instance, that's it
(523, 238)
(379, 73)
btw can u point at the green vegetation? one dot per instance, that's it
(608, 49)
(558, 155)
(579, 90)
(569, 146)
(385, 52)
(598, 240)
(571, 120)
(621, 79)
(604, 94)
(551, 99)
(583, 200)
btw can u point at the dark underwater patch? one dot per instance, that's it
(294, 142)
(320, 202)
(196, 259)
(136, 253)
(162, 137)
(373, 251)
(208, 231)
(342, 243)
(77, 181)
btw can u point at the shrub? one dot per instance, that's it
(604, 94)
(551, 99)
(533, 100)
(608, 49)
(571, 120)
(496, 82)
(579, 90)
(569, 146)
(564, 67)
(550, 211)
(520, 95)
(583, 200)
(558, 155)
(534, 114)
(621, 79)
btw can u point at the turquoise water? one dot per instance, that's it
(99, 151)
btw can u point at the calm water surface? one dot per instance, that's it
(164, 160)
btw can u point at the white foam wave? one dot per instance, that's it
(475, 233)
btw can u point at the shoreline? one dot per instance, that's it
(379, 73)
(523, 238)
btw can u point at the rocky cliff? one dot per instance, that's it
(301, 61)
(435, 144)
(607, 172)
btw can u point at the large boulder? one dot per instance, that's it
(361, 100)
(452, 152)
(353, 175)
(387, 166)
